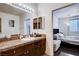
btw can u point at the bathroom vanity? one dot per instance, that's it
(34, 46)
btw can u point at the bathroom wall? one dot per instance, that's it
(5, 17)
(45, 10)
(30, 16)
(19, 18)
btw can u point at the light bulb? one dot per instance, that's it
(24, 6)
(20, 4)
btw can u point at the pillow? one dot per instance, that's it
(61, 35)
(57, 36)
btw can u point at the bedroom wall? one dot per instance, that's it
(63, 13)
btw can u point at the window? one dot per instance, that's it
(74, 25)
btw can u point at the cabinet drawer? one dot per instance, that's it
(39, 47)
(33, 49)
(13, 52)
(7, 53)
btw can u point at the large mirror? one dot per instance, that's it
(69, 25)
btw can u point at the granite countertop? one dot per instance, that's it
(15, 43)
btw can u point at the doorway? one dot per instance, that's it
(27, 27)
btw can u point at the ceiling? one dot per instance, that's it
(9, 9)
(12, 10)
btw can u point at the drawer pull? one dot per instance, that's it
(27, 51)
(14, 51)
(24, 52)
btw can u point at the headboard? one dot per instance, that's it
(55, 31)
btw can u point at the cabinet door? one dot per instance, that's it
(18, 51)
(39, 47)
(13, 52)
(39, 23)
(35, 23)
(43, 46)
(29, 50)
(7, 53)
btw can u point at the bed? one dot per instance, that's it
(57, 41)
(71, 39)
(56, 45)
(68, 39)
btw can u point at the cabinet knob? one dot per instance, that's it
(24, 52)
(27, 51)
(14, 51)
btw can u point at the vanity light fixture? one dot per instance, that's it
(20, 4)
(16, 4)
(23, 6)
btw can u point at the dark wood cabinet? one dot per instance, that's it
(13, 52)
(29, 50)
(36, 48)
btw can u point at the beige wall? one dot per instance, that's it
(27, 15)
(46, 11)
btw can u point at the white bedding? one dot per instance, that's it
(71, 39)
(57, 44)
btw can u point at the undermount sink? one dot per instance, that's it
(29, 38)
